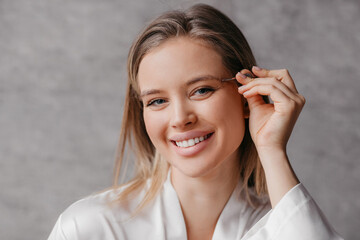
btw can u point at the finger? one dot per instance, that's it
(272, 81)
(282, 75)
(270, 90)
(243, 78)
(248, 73)
(257, 99)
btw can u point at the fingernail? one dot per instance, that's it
(248, 75)
(241, 88)
(257, 68)
(241, 75)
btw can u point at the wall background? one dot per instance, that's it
(62, 84)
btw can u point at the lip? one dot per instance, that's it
(189, 135)
(193, 150)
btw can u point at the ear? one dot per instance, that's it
(246, 108)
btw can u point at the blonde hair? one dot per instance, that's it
(201, 22)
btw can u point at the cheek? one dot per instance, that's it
(227, 106)
(227, 111)
(155, 124)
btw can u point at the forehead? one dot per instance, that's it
(179, 59)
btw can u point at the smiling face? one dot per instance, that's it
(194, 120)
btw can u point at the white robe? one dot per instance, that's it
(295, 217)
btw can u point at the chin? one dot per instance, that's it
(194, 168)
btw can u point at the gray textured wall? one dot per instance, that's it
(62, 76)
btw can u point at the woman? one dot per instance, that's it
(211, 156)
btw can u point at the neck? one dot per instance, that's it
(212, 186)
(203, 198)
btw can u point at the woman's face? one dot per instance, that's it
(194, 120)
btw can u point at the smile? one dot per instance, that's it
(193, 141)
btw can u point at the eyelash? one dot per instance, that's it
(206, 89)
(153, 101)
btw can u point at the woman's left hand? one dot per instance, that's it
(271, 124)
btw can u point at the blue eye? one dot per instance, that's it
(203, 91)
(155, 102)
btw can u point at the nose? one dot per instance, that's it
(183, 115)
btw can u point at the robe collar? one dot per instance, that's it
(227, 226)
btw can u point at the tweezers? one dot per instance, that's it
(228, 79)
(234, 78)
(231, 79)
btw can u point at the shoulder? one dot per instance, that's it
(96, 216)
(85, 217)
(256, 206)
(89, 206)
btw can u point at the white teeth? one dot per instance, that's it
(191, 142)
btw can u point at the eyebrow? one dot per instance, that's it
(188, 83)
